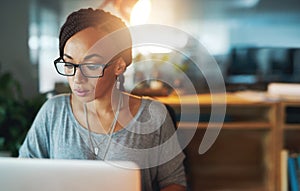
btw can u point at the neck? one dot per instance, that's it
(105, 104)
(101, 104)
(104, 114)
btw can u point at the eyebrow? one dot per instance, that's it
(93, 55)
(70, 57)
(86, 57)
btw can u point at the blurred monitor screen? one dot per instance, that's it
(263, 65)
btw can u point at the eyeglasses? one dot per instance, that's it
(89, 70)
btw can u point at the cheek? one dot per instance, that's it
(100, 84)
(105, 83)
(89, 83)
(70, 81)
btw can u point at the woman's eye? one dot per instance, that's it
(68, 66)
(94, 67)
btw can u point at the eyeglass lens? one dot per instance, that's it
(88, 70)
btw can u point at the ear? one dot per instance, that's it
(120, 66)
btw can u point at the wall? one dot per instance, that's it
(14, 54)
(220, 25)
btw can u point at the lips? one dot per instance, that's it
(80, 92)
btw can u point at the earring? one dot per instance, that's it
(118, 82)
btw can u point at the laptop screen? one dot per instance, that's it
(68, 175)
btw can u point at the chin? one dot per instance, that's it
(84, 99)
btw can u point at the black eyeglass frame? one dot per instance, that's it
(59, 60)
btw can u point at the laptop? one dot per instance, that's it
(68, 175)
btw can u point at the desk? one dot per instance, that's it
(244, 155)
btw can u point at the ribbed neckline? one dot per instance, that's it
(85, 131)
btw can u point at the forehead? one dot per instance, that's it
(91, 41)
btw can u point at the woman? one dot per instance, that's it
(98, 121)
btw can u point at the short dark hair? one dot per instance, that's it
(84, 18)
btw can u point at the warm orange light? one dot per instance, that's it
(140, 12)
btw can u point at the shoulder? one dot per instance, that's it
(145, 105)
(153, 109)
(153, 104)
(58, 100)
(55, 104)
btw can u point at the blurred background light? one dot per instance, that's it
(140, 12)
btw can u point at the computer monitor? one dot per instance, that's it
(263, 65)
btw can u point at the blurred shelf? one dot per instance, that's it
(228, 125)
(292, 127)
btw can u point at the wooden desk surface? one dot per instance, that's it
(208, 99)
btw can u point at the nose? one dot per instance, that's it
(78, 77)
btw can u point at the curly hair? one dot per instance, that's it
(84, 18)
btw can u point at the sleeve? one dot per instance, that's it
(36, 143)
(172, 171)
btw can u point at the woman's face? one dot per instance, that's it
(82, 48)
